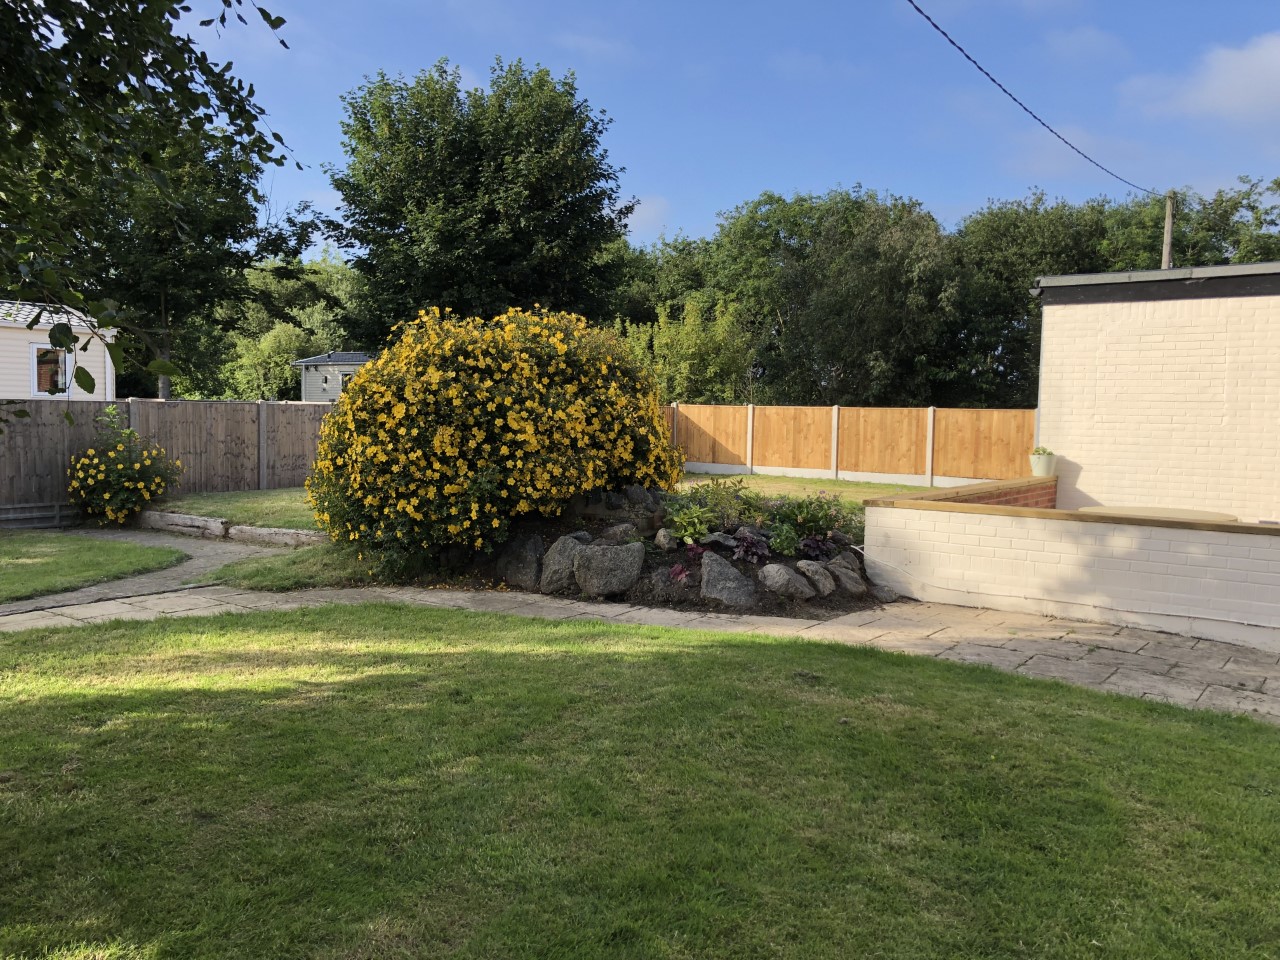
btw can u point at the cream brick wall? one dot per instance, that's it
(1224, 586)
(1166, 403)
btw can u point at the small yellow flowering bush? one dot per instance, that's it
(121, 473)
(463, 425)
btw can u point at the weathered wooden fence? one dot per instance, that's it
(923, 445)
(228, 445)
(223, 446)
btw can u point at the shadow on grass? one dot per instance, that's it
(388, 781)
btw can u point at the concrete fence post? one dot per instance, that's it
(675, 423)
(928, 446)
(835, 442)
(128, 417)
(262, 446)
(751, 437)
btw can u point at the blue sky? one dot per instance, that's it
(714, 103)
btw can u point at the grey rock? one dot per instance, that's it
(723, 539)
(655, 498)
(885, 594)
(817, 575)
(849, 560)
(521, 562)
(602, 570)
(785, 582)
(749, 531)
(557, 566)
(615, 501)
(619, 533)
(665, 540)
(637, 495)
(721, 582)
(581, 536)
(849, 582)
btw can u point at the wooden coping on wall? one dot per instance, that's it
(944, 500)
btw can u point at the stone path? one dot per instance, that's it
(1142, 663)
(203, 556)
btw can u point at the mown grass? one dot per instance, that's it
(855, 493)
(286, 507)
(386, 782)
(39, 563)
(324, 565)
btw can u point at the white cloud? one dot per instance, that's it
(1239, 85)
(1085, 44)
(650, 217)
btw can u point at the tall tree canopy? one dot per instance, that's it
(855, 298)
(478, 199)
(90, 91)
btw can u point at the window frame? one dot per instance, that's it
(66, 364)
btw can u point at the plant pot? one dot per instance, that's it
(1044, 464)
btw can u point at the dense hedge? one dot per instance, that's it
(463, 425)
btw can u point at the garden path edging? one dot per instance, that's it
(217, 528)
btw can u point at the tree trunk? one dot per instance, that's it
(162, 379)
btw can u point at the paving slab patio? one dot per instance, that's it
(1204, 674)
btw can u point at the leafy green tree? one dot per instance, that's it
(478, 199)
(168, 276)
(289, 315)
(989, 351)
(91, 91)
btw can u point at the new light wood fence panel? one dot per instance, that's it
(291, 433)
(713, 434)
(986, 444)
(796, 437)
(217, 441)
(35, 451)
(884, 440)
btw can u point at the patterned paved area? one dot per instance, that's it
(1158, 666)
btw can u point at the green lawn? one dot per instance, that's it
(855, 493)
(34, 564)
(286, 507)
(388, 781)
(324, 565)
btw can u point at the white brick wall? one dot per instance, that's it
(1165, 403)
(1224, 586)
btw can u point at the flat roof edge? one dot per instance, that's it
(1155, 276)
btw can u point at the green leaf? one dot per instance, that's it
(163, 368)
(84, 380)
(22, 414)
(62, 336)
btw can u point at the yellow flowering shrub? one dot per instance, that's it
(121, 473)
(463, 425)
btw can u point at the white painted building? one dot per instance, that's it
(1162, 388)
(324, 376)
(31, 367)
(1160, 395)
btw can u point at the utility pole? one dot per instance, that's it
(1166, 256)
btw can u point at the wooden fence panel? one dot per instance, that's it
(216, 440)
(884, 440)
(797, 437)
(713, 434)
(35, 451)
(291, 432)
(986, 444)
